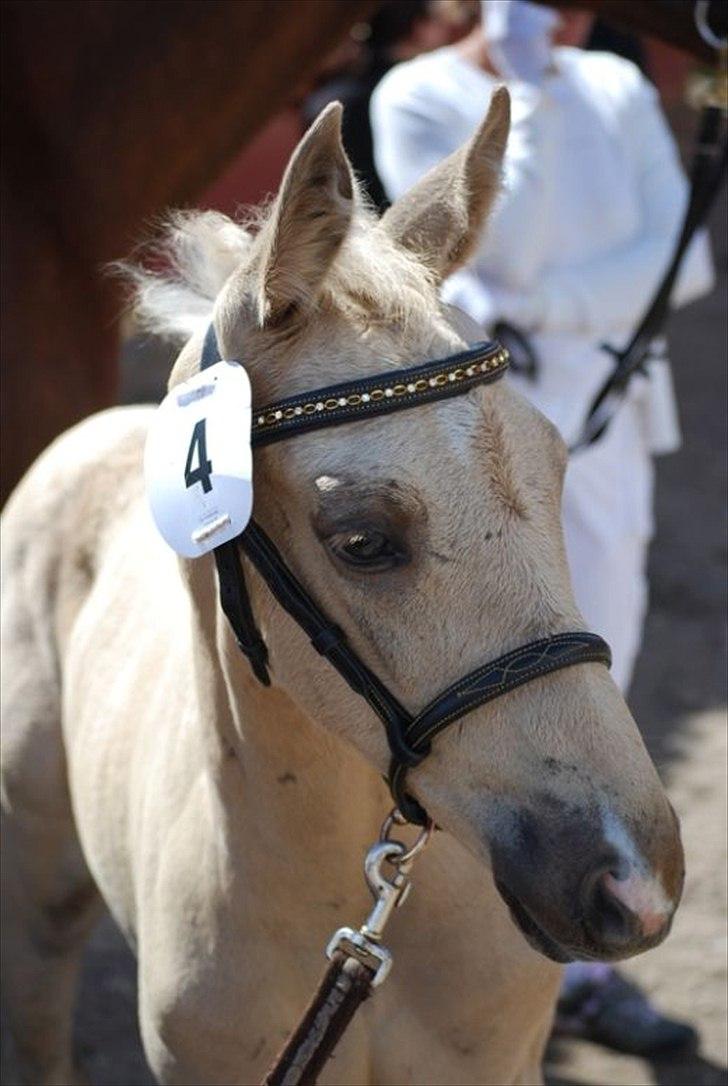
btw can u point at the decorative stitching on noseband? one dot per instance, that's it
(477, 689)
(580, 649)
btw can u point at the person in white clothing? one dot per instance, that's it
(592, 202)
(591, 206)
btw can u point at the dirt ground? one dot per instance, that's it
(679, 698)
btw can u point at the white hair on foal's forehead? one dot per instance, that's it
(374, 279)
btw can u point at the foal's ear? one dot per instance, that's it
(311, 216)
(441, 217)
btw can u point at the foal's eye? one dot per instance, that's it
(367, 549)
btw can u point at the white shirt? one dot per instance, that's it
(582, 233)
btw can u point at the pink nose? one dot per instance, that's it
(623, 915)
(644, 898)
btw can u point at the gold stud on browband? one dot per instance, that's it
(273, 415)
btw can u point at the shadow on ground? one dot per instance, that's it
(669, 1070)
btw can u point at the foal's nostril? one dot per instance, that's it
(607, 919)
(623, 911)
(644, 899)
(617, 920)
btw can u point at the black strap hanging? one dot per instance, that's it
(235, 603)
(709, 165)
(234, 598)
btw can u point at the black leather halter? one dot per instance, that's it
(409, 736)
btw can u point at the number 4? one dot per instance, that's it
(203, 471)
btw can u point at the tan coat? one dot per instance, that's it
(224, 824)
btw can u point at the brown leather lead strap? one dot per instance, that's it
(345, 986)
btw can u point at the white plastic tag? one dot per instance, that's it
(198, 463)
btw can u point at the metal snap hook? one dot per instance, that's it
(388, 891)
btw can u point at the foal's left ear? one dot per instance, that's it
(441, 217)
(310, 219)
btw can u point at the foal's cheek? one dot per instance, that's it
(314, 686)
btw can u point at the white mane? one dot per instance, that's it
(373, 280)
(198, 252)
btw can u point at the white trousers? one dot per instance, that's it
(608, 524)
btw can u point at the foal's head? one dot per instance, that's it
(432, 537)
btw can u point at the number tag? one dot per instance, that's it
(198, 463)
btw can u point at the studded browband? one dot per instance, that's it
(409, 736)
(379, 395)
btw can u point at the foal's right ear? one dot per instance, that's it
(310, 219)
(441, 217)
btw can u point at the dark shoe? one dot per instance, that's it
(611, 1011)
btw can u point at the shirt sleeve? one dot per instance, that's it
(415, 126)
(613, 290)
(412, 131)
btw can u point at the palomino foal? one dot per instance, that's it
(224, 823)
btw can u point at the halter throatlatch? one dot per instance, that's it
(409, 736)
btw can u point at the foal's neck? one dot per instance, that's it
(296, 769)
(299, 805)
(278, 773)
(293, 804)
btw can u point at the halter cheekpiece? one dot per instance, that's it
(409, 736)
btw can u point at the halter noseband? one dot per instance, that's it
(409, 736)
